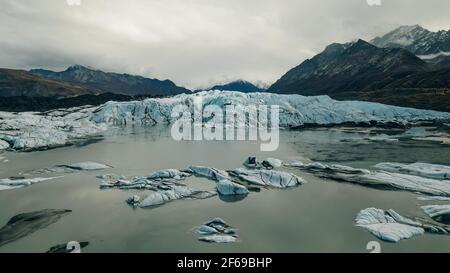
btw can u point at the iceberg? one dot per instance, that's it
(272, 163)
(218, 231)
(268, 163)
(439, 213)
(86, 166)
(175, 193)
(207, 230)
(169, 173)
(420, 169)
(376, 179)
(218, 239)
(226, 187)
(270, 178)
(210, 173)
(392, 227)
(385, 226)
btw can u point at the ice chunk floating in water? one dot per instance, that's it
(439, 213)
(420, 169)
(226, 187)
(377, 179)
(392, 227)
(270, 178)
(87, 166)
(217, 231)
(384, 225)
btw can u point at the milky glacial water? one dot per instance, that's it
(315, 217)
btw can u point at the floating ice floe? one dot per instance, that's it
(87, 166)
(175, 193)
(392, 227)
(169, 173)
(218, 239)
(420, 169)
(211, 173)
(388, 225)
(11, 184)
(217, 231)
(268, 163)
(226, 187)
(377, 179)
(439, 213)
(270, 178)
(161, 190)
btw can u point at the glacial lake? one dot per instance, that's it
(315, 217)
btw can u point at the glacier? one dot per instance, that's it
(32, 130)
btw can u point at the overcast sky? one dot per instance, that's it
(196, 42)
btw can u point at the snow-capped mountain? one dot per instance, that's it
(239, 85)
(417, 40)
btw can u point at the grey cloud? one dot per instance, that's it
(196, 42)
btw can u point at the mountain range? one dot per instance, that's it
(409, 66)
(390, 72)
(239, 85)
(116, 83)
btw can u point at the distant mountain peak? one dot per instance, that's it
(416, 39)
(237, 85)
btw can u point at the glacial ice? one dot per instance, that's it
(169, 173)
(270, 178)
(30, 131)
(226, 187)
(385, 225)
(377, 179)
(221, 239)
(268, 163)
(433, 171)
(3, 145)
(272, 163)
(218, 231)
(87, 166)
(210, 173)
(10, 184)
(439, 213)
(175, 193)
(295, 110)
